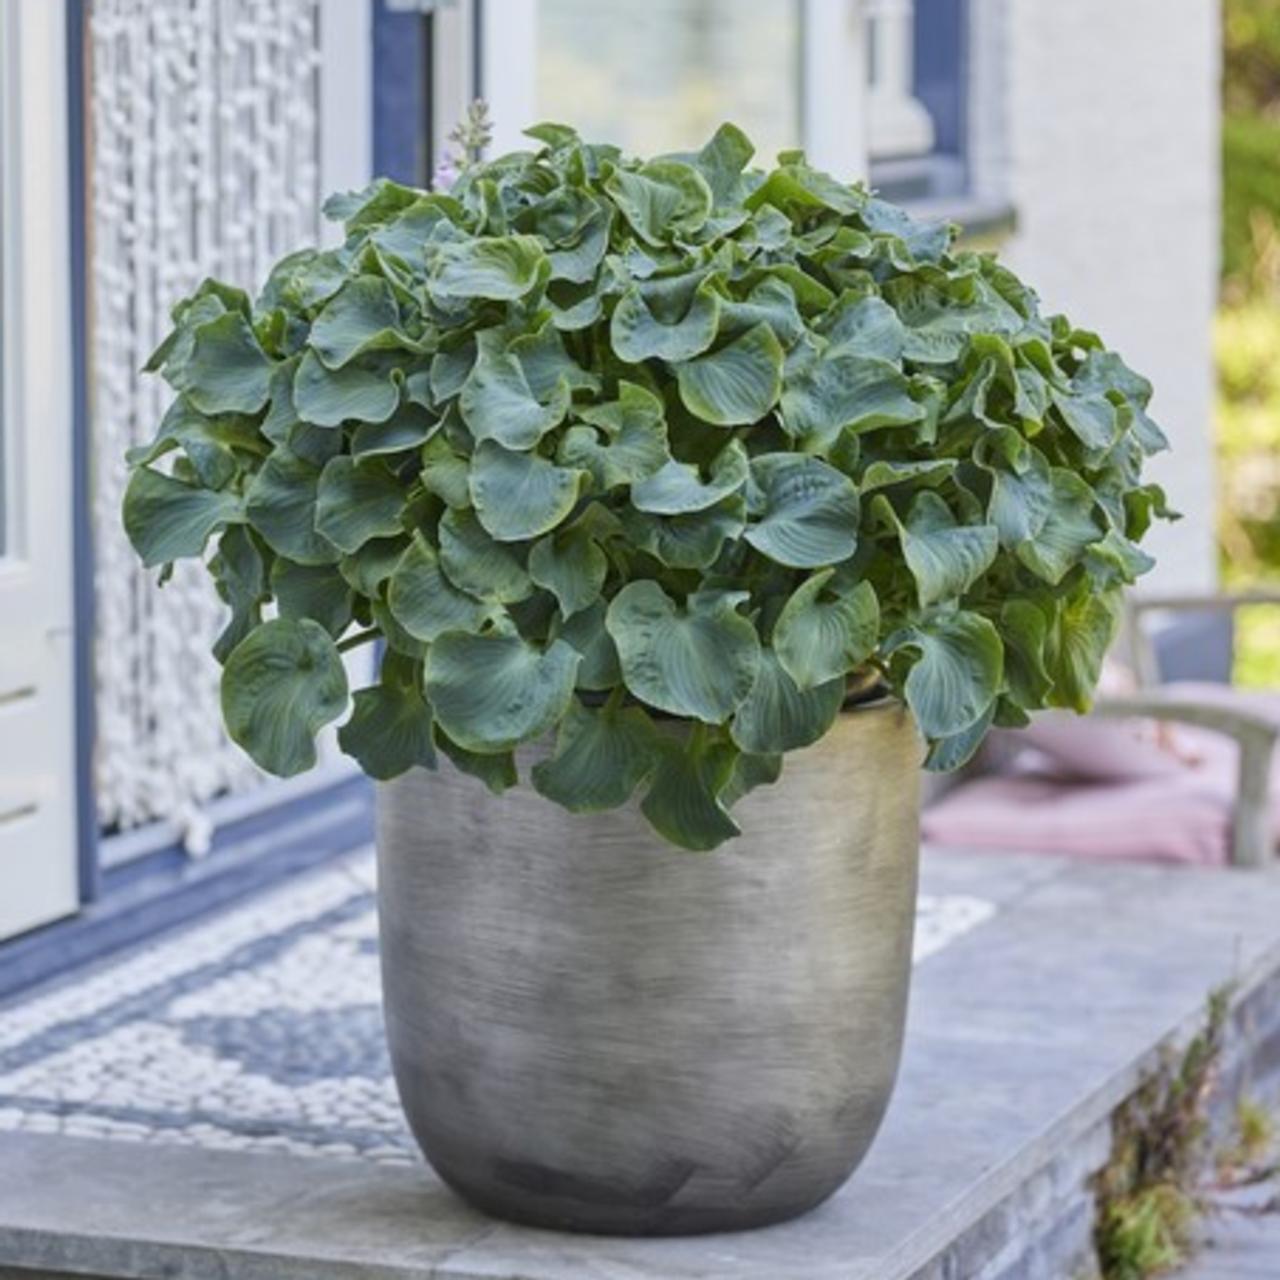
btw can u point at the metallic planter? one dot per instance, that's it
(594, 1032)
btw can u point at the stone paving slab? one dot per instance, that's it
(1024, 1034)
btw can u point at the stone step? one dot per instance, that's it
(1026, 1032)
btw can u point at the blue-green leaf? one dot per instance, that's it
(699, 661)
(491, 692)
(227, 371)
(502, 268)
(281, 505)
(356, 501)
(476, 563)
(805, 512)
(839, 390)
(826, 629)
(391, 728)
(330, 397)
(736, 385)
(497, 402)
(518, 496)
(777, 715)
(167, 519)
(424, 602)
(678, 487)
(281, 685)
(945, 558)
(601, 756)
(957, 672)
(571, 566)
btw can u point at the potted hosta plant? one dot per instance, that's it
(690, 507)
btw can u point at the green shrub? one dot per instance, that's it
(1250, 194)
(591, 442)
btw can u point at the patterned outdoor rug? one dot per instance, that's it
(258, 1029)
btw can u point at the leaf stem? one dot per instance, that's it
(360, 637)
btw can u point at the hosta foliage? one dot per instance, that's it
(650, 460)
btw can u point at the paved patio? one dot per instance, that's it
(258, 1030)
(220, 1105)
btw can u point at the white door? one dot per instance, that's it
(38, 876)
(661, 75)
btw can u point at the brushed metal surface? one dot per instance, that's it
(593, 1031)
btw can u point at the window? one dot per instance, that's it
(661, 75)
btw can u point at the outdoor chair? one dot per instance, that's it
(1180, 771)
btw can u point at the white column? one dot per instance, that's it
(899, 124)
(834, 89)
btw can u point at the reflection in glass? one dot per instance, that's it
(661, 75)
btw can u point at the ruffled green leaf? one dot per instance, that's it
(839, 390)
(945, 558)
(601, 756)
(281, 685)
(281, 506)
(866, 326)
(586, 631)
(625, 442)
(956, 674)
(362, 316)
(501, 268)
(227, 370)
(1024, 630)
(692, 541)
(778, 715)
(241, 581)
(497, 402)
(424, 602)
(677, 488)
(330, 397)
(1091, 417)
(315, 591)
(665, 200)
(356, 501)
(1082, 631)
(391, 728)
(571, 566)
(167, 519)
(736, 385)
(637, 334)
(1068, 528)
(477, 564)
(492, 692)
(520, 495)
(683, 803)
(699, 661)
(805, 513)
(826, 629)
(409, 428)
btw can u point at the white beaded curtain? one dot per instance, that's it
(204, 160)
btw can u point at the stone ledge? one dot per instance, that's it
(1024, 1036)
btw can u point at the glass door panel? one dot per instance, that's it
(661, 75)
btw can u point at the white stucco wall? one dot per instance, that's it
(1111, 112)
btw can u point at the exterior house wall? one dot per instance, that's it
(1111, 113)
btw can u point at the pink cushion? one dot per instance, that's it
(1097, 747)
(1180, 815)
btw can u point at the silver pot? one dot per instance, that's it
(595, 1032)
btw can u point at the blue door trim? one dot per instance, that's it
(402, 53)
(140, 899)
(82, 499)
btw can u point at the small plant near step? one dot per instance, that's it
(1150, 1195)
(659, 459)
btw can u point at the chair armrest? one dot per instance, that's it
(1252, 841)
(1219, 602)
